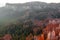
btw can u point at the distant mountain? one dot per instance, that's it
(30, 10)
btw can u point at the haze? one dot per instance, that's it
(3, 2)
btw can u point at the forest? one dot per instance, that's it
(26, 19)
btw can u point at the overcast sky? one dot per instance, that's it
(3, 2)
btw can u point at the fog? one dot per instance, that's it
(3, 2)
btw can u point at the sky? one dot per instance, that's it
(3, 2)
